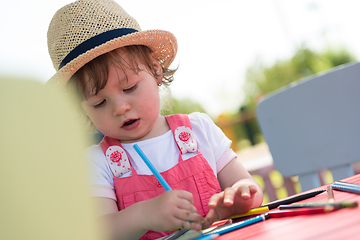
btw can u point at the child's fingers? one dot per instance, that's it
(226, 197)
(186, 212)
(246, 191)
(183, 200)
(189, 220)
(188, 215)
(185, 195)
(185, 206)
(211, 217)
(215, 200)
(253, 189)
(191, 225)
(229, 195)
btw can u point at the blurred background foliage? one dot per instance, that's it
(261, 80)
(241, 127)
(184, 106)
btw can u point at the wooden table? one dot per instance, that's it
(343, 224)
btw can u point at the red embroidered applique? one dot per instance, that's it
(185, 139)
(117, 155)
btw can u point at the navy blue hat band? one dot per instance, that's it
(94, 42)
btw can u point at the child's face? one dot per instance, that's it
(128, 107)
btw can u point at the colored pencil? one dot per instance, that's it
(152, 168)
(319, 204)
(304, 211)
(156, 174)
(238, 225)
(348, 184)
(253, 211)
(292, 199)
(346, 187)
(207, 237)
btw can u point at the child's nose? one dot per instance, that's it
(121, 108)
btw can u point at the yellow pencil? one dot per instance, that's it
(253, 211)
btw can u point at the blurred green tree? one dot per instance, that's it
(261, 80)
(184, 106)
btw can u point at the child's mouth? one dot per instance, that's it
(131, 124)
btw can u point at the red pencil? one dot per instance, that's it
(303, 211)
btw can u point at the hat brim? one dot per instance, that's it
(162, 43)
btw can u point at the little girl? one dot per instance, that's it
(102, 56)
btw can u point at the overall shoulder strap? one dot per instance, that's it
(107, 142)
(181, 128)
(178, 120)
(116, 156)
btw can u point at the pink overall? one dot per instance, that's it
(194, 175)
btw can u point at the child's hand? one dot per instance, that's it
(234, 200)
(172, 210)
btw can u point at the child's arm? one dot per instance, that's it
(240, 193)
(171, 210)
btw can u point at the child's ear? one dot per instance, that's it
(157, 66)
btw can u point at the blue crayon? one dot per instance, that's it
(207, 237)
(346, 187)
(238, 225)
(152, 168)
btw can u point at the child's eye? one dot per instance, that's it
(99, 104)
(130, 89)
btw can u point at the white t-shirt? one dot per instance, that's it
(163, 153)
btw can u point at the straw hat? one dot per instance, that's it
(86, 29)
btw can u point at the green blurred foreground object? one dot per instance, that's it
(43, 178)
